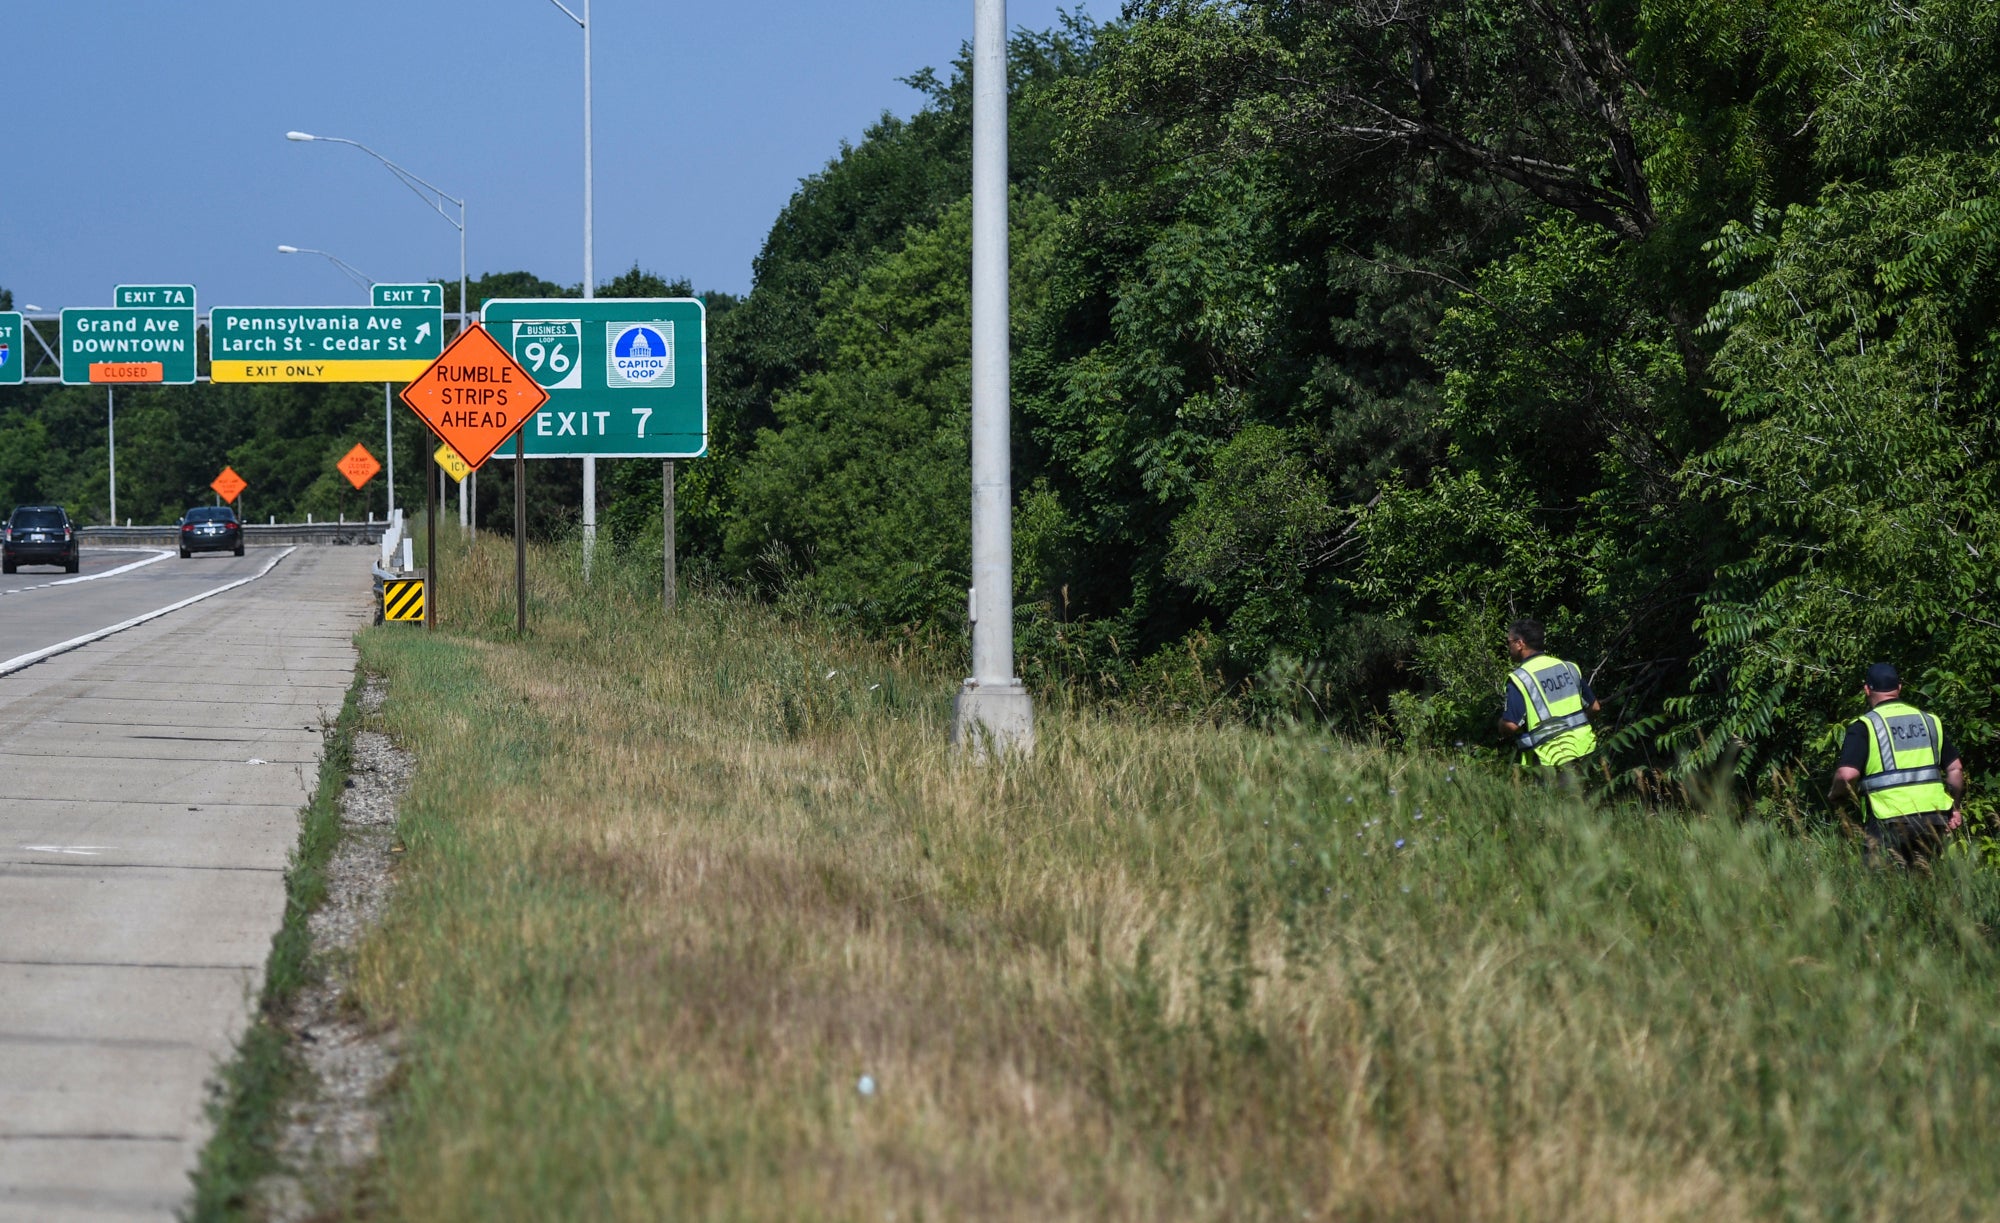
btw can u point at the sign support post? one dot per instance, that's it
(111, 444)
(667, 591)
(431, 477)
(521, 534)
(389, 444)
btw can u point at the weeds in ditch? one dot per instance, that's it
(247, 1099)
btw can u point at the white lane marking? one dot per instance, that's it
(63, 647)
(154, 559)
(86, 851)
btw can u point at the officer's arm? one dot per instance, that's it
(1844, 778)
(1954, 780)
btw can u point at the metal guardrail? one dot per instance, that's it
(253, 533)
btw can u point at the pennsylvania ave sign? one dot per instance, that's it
(475, 396)
(323, 343)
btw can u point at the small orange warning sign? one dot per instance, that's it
(475, 395)
(358, 466)
(229, 486)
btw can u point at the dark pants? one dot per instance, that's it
(1912, 840)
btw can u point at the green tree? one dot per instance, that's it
(862, 491)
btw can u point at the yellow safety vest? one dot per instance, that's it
(1558, 727)
(1904, 775)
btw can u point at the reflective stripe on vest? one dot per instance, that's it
(1545, 731)
(1902, 777)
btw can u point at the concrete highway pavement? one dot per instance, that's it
(150, 784)
(50, 607)
(94, 564)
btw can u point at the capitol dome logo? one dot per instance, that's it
(639, 354)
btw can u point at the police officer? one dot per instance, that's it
(1549, 703)
(1910, 777)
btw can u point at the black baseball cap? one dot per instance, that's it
(1882, 677)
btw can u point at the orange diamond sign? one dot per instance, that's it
(358, 466)
(475, 395)
(229, 486)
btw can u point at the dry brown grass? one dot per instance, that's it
(673, 887)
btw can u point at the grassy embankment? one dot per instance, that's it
(672, 888)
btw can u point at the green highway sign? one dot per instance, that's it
(135, 344)
(408, 295)
(13, 348)
(627, 377)
(129, 297)
(323, 343)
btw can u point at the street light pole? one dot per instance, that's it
(353, 273)
(993, 711)
(436, 199)
(388, 412)
(589, 274)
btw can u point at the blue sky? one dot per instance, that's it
(148, 138)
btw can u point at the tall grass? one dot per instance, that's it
(674, 885)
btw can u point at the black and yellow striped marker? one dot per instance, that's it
(403, 599)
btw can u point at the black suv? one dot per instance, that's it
(210, 528)
(38, 535)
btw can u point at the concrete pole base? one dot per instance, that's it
(992, 719)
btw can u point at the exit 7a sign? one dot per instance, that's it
(626, 377)
(150, 344)
(132, 297)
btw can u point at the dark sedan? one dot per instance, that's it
(210, 528)
(38, 535)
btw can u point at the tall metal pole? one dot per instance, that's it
(464, 321)
(589, 291)
(993, 709)
(111, 445)
(464, 307)
(420, 186)
(389, 444)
